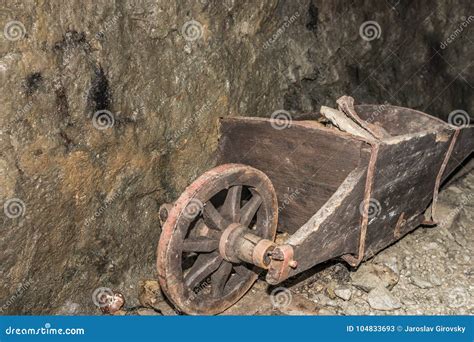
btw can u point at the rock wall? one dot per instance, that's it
(110, 108)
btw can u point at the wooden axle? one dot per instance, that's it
(238, 243)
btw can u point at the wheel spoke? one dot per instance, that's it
(219, 278)
(200, 244)
(212, 218)
(249, 209)
(236, 281)
(213, 234)
(231, 208)
(242, 270)
(203, 267)
(201, 229)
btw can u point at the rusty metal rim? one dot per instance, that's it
(169, 280)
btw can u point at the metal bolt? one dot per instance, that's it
(293, 264)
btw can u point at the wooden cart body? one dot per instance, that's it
(342, 195)
(344, 187)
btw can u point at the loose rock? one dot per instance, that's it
(369, 276)
(344, 293)
(380, 299)
(148, 312)
(150, 293)
(421, 283)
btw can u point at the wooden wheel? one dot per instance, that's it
(192, 272)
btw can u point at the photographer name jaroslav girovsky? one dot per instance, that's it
(437, 328)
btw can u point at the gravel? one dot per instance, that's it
(429, 271)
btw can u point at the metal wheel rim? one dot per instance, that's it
(170, 247)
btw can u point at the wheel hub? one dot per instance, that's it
(240, 244)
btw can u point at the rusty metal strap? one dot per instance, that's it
(441, 172)
(352, 260)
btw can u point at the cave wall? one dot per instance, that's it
(110, 108)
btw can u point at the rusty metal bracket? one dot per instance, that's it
(350, 259)
(440, 174)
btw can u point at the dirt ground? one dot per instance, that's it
(429, 271)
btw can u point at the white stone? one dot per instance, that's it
(381, 299)
(420, 282)
(344, 293)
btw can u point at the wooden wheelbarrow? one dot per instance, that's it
(343, 187)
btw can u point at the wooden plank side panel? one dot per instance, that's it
(335, 229)
(305, 164)
(404, 182)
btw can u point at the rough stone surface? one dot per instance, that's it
(420, 282)
(381, 299)
(91, 196)
(343, 293)
(150, 293)
(369, 276)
